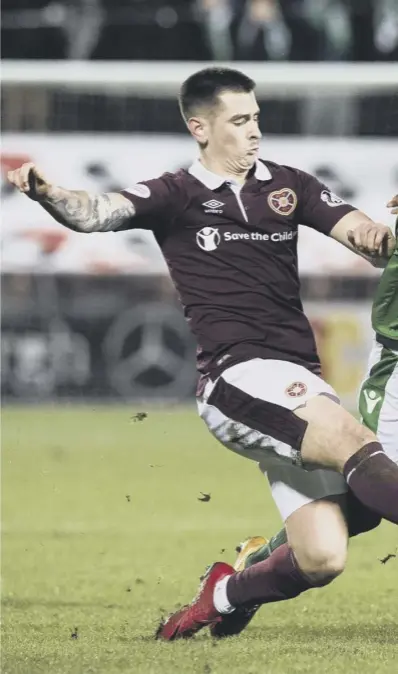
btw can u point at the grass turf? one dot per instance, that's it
(103, 533)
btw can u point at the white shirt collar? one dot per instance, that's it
(212, 180)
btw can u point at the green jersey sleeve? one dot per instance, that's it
(385, 304)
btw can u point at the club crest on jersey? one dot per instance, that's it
(297, 389)
(213, 206)
(208, 238)
(283, 201)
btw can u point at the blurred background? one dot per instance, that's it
(89, 94)
(250, 30)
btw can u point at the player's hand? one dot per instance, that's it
(393, 203)
(30, 181)
(373, 239)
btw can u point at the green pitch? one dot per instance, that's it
(104, 532)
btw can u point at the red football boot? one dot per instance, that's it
(200, 612)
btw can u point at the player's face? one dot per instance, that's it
(232, 131)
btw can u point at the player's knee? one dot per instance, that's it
(323, 564)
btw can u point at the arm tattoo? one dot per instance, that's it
(84, 212)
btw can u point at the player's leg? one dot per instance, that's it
(316, 431)
(227, 600)
(318, 536)
(292, 488)
(378, 398)
(252, 405)
(271, 382)
(254, 549)
(335, 439)
(261, 430)
(310, 503)
(315, 555)
(378, 407)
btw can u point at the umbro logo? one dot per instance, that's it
(213, 206)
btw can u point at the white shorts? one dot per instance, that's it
(249, 409)
(378, 398)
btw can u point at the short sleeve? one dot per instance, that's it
(154, 200)
(319, 208)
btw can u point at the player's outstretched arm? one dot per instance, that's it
(372, 240)
(77, 210)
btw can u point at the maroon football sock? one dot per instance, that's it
(275, 579)
(360, 518)
(373, 478)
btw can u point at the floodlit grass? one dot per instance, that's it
(103, 533)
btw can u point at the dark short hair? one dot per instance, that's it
(203, 87)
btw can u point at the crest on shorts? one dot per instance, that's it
(297, 389)
(283, 201)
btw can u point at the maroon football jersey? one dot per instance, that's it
(232, 255)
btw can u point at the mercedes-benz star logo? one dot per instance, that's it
(150, 352)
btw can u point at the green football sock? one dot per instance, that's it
(265, 551)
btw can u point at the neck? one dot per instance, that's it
(221, 168)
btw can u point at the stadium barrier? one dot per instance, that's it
(297, 98)
(121, 338)
(164, 78)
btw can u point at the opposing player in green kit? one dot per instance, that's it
(378, 405)
(378, 400)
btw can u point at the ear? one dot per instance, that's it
(198, 128)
